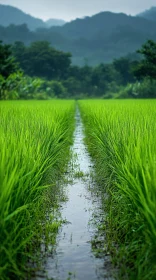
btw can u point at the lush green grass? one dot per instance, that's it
(34, 144)
(121, 137)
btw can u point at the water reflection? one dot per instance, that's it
(73, 258)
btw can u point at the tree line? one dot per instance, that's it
(42, 72)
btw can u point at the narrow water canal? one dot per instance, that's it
(74, 258)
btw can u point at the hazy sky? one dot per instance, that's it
(70, 9)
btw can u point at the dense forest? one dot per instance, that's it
(39, 71)
(90, 57)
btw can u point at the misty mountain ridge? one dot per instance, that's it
(104, 36)
(149, 14)
(102, 24)
(95, 39)
(11, 15)
(54, 22)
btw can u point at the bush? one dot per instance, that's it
(57, 89)
(144, 89)
(18, 86)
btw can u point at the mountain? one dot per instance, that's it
(54, 22)
(149, 14)
(11, 15)
(104, 36)
(96, 39)
(103, 23)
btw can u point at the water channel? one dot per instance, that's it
(73, 257)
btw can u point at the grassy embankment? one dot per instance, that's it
(34, 145)
(121, 137)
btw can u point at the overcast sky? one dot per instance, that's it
(70, 9)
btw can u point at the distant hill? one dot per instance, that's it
(102, 24)
(105, 36)
(11, 15)
(54, 22)
(149, 14)
(93, 40)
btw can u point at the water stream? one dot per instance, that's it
(73, 257)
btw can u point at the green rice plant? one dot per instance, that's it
(35, 138)
(121, 137)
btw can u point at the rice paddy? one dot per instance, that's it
(121, 137)
(35, 140)
(34, 146)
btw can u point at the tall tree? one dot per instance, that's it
(123, 66)
(8, 64)
(41, 60)
(147, 66)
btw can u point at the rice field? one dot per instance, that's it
(121, 137)
(34, 148)
(35, 140)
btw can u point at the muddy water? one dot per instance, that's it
(74, 257)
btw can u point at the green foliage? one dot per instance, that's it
(147, 67)
(41, 60)
(144, 89)
(29, 88)
(57, 89)
(124, 66)
(9, 85)
(34, 148)
(88, 81)
(7, 61)
(73, 87)
(121, 139)
(17, 86)
(103, 77)
(51, 75)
